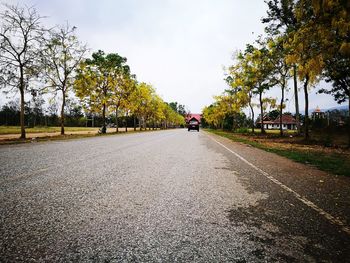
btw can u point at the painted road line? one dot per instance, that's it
(304, 200)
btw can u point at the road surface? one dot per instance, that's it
(167, 196)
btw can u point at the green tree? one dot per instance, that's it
(274, 114)
(181, 109)
(173, 105)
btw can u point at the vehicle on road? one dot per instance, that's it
(193, 125)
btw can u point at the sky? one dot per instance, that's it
(181, 47)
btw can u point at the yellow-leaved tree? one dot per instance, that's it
(123, 85)
(328, 25)
(305, 52)
(95, 82)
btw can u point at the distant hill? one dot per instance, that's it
(340, 107)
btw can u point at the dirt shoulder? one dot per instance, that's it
(14, 138)
(333, 160)
(329, 192)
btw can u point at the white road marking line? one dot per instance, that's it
(304, 200)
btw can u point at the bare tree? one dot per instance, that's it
(20, 32)
(61, 54)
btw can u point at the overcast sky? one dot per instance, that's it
(179, 46)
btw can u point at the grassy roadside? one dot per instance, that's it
(334, 162)
(42, 129)
(68, 136)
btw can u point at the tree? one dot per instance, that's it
(338, 74)
(282, 21)
(9, 114)
(241, 76)
(123, 85)
(214, 115)
(306, 52)
(61, 54)
(95, 83)
(125, 98)
(19, 50)
(274, 114)
(157, 106)
(261, 64)
(181, 109)
(36, 107)
(281, 69)
(173, 105)
(332, 22)
(91, 85)
(139, 101)
(74, 113)
(233, 100)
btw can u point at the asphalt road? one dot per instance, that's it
(167, 196)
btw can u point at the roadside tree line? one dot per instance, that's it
(305, 41)
(36, 60)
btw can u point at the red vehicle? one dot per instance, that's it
(193, 125)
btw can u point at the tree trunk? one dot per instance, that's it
(306, 119)
(104, 118)
(349, 124)
(116, 121)
(23, 132)
(297, 116)
(233, 122)
(62, 111)
(261, 114)
(126, 122)
(281, 110)
(252, 110)
(21, 89)
(134, 123)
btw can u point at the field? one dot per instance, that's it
(11, 134)
(42, 129)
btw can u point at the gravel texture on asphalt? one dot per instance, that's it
(166, 196)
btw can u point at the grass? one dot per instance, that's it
(277, 132)
(66, 136)
(332, 161)
(41, 129)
